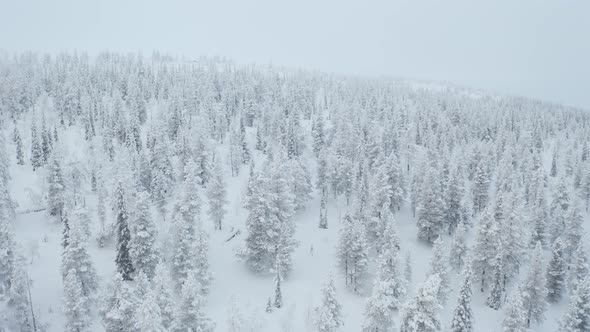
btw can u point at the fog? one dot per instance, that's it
(533, 48)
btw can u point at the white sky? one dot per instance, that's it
(536, 48)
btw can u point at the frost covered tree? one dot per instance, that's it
(163, 292)
(513, 237)
(431, 209)
(494, 300)
(76, 304)
(328, 315)
(7, 250)
(19, 297)
(396, 182)
(485, 249)
(421, 314)
(189, 315)
(162, 174)
(481, 184)
(463, 314)
(36, 151)
(56, 187)
(299, 182)
(147, 316)
(123, 260)
(76, 259)
(534, 289)
(454, 209)
(118, 306)
(577, 317)
(269, 223)
(439, 265)
(556, 272)
(142, 245)
(217, 195)
(578, 269)
(353, 253)
(20, 154)
(458, 254)
(323, 210)
(515, 314)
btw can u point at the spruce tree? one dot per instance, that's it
(329, 313)
(458, 254)
(421, 313)
(76, 304)
(463, 314)
(577, 317)
(56, 187)
(142, 244)
(439, 265)
(216, 192)
(534, 289)
(353, 253)
(20, 156)
(123, 260)
(556, 272)
(494, 300)
(515, 314)
(36, 151)
(431, 209)
(190, 315)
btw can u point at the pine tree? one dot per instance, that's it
(431, 209)
(396, 182)
(494, 300)
(164, 296)
(56, 187)
(439, 265)
(20, 156)
(123, 260)
(458, 254)
(7, 251)
(269, 305)
(300, 182)
(18, 297)
(534, 289)
(278, 303)
(118, 306)
(463, 315)
(556, 272)
(454, 201)
(481, 185)
(578, 269)
(421, 313)
(217, 195)
(76, 259)
(323, 210)
(162, 176)
(36, 151)
(408, 268)
(329, 313)
(353, 253)
(190, 315)
(515, 315)
(318, 134)
(485, 249)
(577, 317)
(142, 244)
(147, 316)
(76, 304)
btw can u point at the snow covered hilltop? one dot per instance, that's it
(155, 194)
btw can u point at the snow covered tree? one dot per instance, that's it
(578, 269)
(20, 155)
(458, 254)
(534, 289)
(19, 296)
(513, 237)
(7, 250)
(396, 182)
(162, 175)
(439, 265)
(278, 303)
(421, 313)
(76, 304)
(118, 306)
(217, 195)
(454, 201)
(481, 183)
(329, 313)
(269, 223)
(36, 151)
(515, 314)
(318, 134)
(431, 209)
(299, 182)
(190, 316)
(577, 317)
(56, 187)
(485, 249)
(556, 272)
(494, 300)
(76, 259)
(147, 316)
(162, 285)
(353, 252)
(123, 260)
(142, 245)
(323, 210)
(463, 315)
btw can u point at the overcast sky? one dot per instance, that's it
(534, 48)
